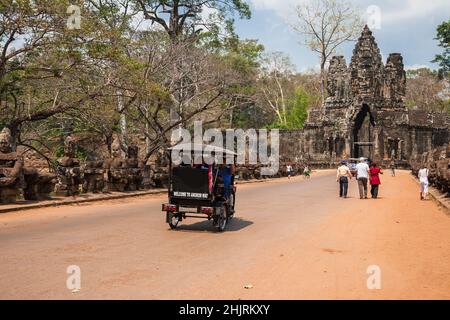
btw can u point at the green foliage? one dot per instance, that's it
(80, 153)
(443, 36)
(297, 111)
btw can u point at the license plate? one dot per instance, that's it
(186, 209)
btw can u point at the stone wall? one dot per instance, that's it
(365, 115)
(438, 163)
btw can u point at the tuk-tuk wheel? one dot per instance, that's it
(230, 212)
(222, 219)
(173, 221)
(222, 223)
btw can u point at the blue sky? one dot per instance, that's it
(406, 26)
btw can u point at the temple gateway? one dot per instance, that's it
(365, 113)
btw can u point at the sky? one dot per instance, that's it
(404, 26)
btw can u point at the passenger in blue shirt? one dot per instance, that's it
(226, 172)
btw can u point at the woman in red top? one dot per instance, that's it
(374, 179)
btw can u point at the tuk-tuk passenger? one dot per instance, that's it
(226, 172)
(205, 166)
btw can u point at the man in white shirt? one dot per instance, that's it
(289, 170)
(342, 176)
(362, 174)
(423, 178)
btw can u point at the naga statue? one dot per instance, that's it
(11, 169)
(93, 176)
(68, 172)
(115, 178)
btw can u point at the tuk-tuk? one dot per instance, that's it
(201, 190)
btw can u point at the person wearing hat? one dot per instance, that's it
(342, 176)
(362, 174)
(374, 179)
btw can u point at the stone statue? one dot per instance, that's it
(11, 169)
(161, 170)
(68, 171)
(394, 79)
(38, 185)
(115, 177)
(337, 79)
(92, 174)
(5, 141)
(134, 169)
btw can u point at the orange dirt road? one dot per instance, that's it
(291, 239)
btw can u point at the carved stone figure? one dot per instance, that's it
(161, 170)
(123, 174)
(92, 173)
(38, 185)
(337, 79)
(11, 169)
(395, 79)
(133, 169)
(68, 171)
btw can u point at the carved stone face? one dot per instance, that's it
(115, 148)
(5, 141)
(69, 147)
(133, 152)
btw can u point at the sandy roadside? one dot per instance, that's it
(406, 238)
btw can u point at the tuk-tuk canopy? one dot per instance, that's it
(196, 147)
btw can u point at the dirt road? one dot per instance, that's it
(292, 239)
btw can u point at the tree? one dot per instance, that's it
(197, 80)
(273, 84)
(443, 36)
(325, 25)
(426, 91)
(298, 111)
(43, 65)
(181, 19)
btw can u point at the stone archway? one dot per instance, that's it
(363, 133)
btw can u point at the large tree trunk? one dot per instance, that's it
(323, 81)
(122, 122)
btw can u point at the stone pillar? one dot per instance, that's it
(348, 151)
(429, 141)
(376, 134)
(399, 151)
(413, 143)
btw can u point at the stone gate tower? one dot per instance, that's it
(365, 115)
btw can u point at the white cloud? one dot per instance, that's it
(417, 66)
(283, 8)
(397, 11)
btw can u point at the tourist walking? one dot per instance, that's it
(289, 170)
(374, 180)
(343, 176)
(307, 172)
(393, 168)
(423, 179)
(362, 174)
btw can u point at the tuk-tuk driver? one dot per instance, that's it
(226, 172)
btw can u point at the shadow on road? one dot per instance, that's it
(234, 224)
